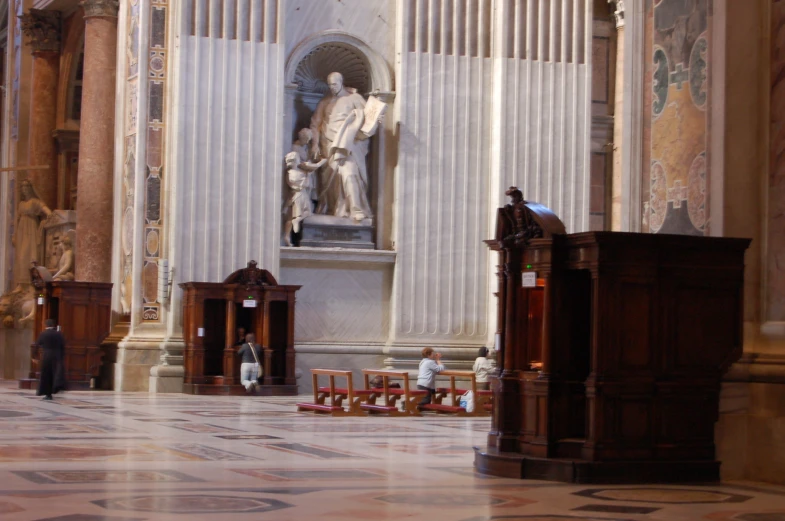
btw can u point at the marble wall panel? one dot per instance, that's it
(442, 195)
(676, 162)
(340, 302)
(229, 150)
(544, 105)
(372, 22)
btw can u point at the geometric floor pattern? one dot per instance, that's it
(100, 456)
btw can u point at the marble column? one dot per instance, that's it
(96, 143)
(43, 31)
(618, 141)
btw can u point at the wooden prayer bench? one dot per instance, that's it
(337, 395)
(484, 401)
(390, 396)
(455, 395)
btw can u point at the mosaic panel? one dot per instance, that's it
(194, 504)
(677, 125)
(44, 477)
(543, 517)
(434, 449)
(354, 427)
(90, 517)
(204, 452)
(156, 126)
(311, 451)
(62, 452)
(202, 428)
(663, 495)
(314, 474)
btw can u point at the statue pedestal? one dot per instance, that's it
(15, 352)
(327, 231)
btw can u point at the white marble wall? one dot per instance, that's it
(228, 145)
(471, 116)
(542, 114)
(442, 181)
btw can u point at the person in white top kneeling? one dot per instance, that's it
(430, 366)
(483, 368)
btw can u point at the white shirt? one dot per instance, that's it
(428, 371)
(483, 367)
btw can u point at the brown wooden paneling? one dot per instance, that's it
(634, 340)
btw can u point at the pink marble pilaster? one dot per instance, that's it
(775, 309)
(96, 143)
(42, 29)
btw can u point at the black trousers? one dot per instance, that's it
(428, 397)
(52, 374)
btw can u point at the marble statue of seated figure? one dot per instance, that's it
(65, 267)
(299, 178)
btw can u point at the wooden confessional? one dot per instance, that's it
(83, 310)
(212, 312)
(612, 347)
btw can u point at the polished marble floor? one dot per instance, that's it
(105, 456)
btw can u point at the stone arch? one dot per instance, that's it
(346, 54)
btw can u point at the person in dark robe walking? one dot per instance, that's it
(52, 344)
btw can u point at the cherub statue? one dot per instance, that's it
(65, 267)
(299, 178)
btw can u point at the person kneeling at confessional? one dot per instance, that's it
(250, 367)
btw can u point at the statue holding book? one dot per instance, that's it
(341, 126)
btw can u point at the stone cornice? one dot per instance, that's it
(100, 8)
(42, 28)
(618, 14)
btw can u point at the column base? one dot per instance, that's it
(515, 465)
(166, 379)
(135, 359)
(15, 353)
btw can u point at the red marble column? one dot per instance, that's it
(96, 143)
(43, 30)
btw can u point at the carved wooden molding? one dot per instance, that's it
(43, 30)
(100, 8)
(521, 221)
(251, 276)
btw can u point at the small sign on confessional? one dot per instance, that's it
(529, 279)
(249, 303)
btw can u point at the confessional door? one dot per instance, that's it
(214, 321)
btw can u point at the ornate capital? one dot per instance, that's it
(618, 13)
(42, 28)
(100, 8)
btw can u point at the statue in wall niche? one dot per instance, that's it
(28, 232)
(65, 266)
(299, 178)
(341, 126)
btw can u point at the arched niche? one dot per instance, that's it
(363, 69)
